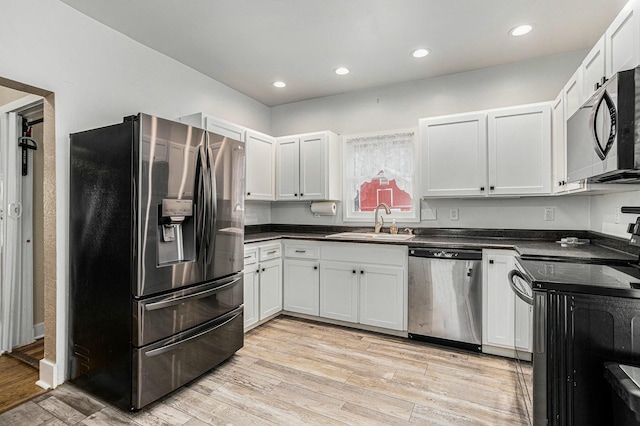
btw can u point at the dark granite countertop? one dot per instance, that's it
(529, 244)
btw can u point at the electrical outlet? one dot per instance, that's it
(616, 215)
(453, 214)
(549, 214)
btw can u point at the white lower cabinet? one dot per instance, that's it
(339, 291)
(262, 282)
(499, 306)
(381, 296)
(301, 286)
(364, 284)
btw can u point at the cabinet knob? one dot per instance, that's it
(301, 194)
(315, 267)
(354, 271)
(262, 269)
(258, 271)
(491, 188)
(482, 188)
(362, 271)
(295, 195)
(490, 262)
(248, 193)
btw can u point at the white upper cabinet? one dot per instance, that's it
(622, 40)
(559, 144)
(519, 150)
(453, 155)
(260, 165)
(593, 68)
(308, 167)
(498, 152)
(572, 93)
(224, 128)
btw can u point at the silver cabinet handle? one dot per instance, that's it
(195, 296)
(301, 251)
(272, 252)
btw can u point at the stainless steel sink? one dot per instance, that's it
(371, 236)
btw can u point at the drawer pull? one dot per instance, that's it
(301, 251)
(272, 252)
(195, 296)
(248, 257)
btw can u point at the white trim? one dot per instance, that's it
(38, 331)
(21, 104)
(48, 374)
(367, 217)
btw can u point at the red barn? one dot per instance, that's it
(383, 190)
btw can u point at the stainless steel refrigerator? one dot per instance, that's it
(156, 254)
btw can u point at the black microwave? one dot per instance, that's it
(603, 136)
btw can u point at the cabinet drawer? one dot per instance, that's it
(377, 254)
(250, 256)
(272, 251)
(301, 251)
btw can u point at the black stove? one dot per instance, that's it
(612, 280)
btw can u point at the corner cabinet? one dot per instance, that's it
(308, 167)
(501, 152)
(260, 166)
(499, 305)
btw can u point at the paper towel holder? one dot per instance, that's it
(323, 208)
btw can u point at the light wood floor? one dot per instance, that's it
(300, 372)
(18, 376)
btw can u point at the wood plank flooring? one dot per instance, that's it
(294, 372)
(17, 383)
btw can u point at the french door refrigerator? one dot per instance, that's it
(156, 254)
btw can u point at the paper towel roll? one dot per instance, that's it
(323, 208)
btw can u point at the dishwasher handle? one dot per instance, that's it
(439, 253)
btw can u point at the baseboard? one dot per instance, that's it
(48, 373)
(38, 331)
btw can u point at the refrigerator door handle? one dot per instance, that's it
(213, 202)
(201, 201)
(179, 300)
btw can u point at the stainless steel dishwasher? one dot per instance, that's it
(445, 297)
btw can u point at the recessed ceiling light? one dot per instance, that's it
(520, 30)
(341, 71)
(420, 53)
(279, 84)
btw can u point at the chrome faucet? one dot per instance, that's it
(380, 222)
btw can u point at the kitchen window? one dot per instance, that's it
(380, 168)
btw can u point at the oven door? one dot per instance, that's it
(523, 338)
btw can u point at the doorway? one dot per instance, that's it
(27, 296)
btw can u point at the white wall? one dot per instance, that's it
(507, 213)
(99, 76)
(603, 212)
(401, 105)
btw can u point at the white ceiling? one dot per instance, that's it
(248, 44)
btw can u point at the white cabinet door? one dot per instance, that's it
(288, 168)
(559, 143)
(225, 128)
(270, 288)
(573, 98)
(301, 286)
(519, 150)
(593, 68)
(453, 155)
(382, 296)
(523, 326)
(498, 307)
(260, 166)
(339, 290)
(313, 166)
(622, 40)
(251, 295)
